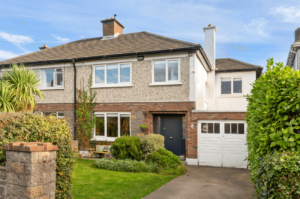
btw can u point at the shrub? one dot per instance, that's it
(127, 165)
(152, 143)
(166, 161)
(273, 115)
(278, 176)
(29, 127)
(127, 148)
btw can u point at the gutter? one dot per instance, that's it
(74, 66)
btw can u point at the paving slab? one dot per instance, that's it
(207, 183)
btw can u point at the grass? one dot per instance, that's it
(91, 182)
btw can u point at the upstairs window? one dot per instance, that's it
(166, 71)
(50, 77)
(231, 85)
(111, 74)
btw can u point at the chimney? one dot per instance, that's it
(44, 47)
(297, 34)
(112, 27)
(210, 43)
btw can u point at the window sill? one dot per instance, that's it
(109, 139)
(112, 86)
(232, 96)
(165, 84)
(52, 88)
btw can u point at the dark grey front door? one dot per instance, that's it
(170, 126)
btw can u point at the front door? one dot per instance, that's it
(170, 126)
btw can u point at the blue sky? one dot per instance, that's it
(250, 30)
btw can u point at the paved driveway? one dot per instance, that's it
(207, 183)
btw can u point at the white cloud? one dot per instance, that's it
(257, 26)
(287, 14)
(7, 55)
(15, 38)
(60, 39)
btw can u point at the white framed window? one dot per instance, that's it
(234, 128)
(213, 128)
(51, 78)
(231, 85)
(59, 115)
(165, 72)
(110, 125)
(112, 75)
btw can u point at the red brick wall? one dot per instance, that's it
(54, 107)
(111, 28)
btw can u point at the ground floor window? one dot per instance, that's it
(58, 115)
(112, 125)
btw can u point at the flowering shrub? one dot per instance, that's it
(29, 127)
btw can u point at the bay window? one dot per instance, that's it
(50, 78)
(112, 125)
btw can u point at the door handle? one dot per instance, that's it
(170, 137)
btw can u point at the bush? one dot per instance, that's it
(273, 115)
(152, 143)
(127, 148)
(125, 165)
(29, 127)
(278, 176)
(166, 161)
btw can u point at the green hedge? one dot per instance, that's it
(127, 165)
(278, 176)
(29, 127)
(127, 148)
(152, 143)
(273, 115)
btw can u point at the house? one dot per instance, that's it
(177, 88)
(293, 59)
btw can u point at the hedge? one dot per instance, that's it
(273, 115)
(152, 142)
(29, 127)
(127, 148)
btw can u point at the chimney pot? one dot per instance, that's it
(209, 25)
(115, 16)
(44, 47)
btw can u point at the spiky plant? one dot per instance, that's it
(24, 83)
(6, 96)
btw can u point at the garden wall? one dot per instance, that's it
(2, 182)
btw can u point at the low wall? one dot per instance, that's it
(2, 182)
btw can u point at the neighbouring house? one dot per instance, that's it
(177, 88)
(293, 59)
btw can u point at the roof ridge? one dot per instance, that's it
(240, 61)
(170, 39)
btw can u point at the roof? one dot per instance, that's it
(124, 44)
(233, 65)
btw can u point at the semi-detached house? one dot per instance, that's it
(177, 88)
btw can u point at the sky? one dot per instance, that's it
(247, 30)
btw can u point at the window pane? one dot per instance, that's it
(237, 85)
(173, 70)
(204, 127)
(183, 127)
(125, 73)
(227, 128)
(217, 127)
(47, 77)
(159, 71)
(233, 128)
(60, 114)
(112, 74)
(225, 86)
(100, 125)
(125, 125)
(241, 128)
(59, 78)
(210, 127)
(99, 74)
(112, 125)
(156, 124)
(49, 113)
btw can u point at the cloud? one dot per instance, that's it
(286, 14)
(257, 26)
(17, 40)
(60, 39)
(7, 55)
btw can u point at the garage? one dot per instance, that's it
(222, 143)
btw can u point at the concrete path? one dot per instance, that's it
(207, 183)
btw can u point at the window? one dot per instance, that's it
(231, 85)
(166, 71)
(50, 77)
(112, 125)
(58, 115)
(234, 128)
(213, 128)
(112, 74)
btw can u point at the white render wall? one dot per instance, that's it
(237, 101)
(200, 85)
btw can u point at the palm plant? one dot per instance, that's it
(24, 84)
(6, 96)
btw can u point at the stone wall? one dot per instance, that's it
(2, 182)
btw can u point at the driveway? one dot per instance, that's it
(207, 183)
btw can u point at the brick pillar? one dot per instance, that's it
(30, 170)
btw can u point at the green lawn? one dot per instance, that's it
(91, 182)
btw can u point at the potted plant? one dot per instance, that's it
(143, 127)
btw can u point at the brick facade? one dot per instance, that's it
(111, 27)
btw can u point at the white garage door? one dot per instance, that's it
(222, 143)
